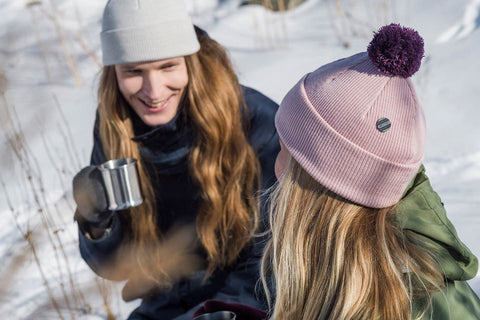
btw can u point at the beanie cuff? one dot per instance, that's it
(335, 162)
(148, 43)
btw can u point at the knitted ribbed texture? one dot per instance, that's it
(328, 122)
(146, 30)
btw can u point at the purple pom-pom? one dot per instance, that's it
(396, 50)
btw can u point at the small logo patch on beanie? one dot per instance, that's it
(383, 124)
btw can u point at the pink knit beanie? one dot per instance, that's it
(356, 125)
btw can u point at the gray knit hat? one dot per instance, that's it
(146, 30)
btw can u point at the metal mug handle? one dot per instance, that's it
(120, 178)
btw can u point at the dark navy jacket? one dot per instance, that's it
(165, 150)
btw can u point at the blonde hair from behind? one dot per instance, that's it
(221, 161)
(333, 259)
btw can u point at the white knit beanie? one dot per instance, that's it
(146, 30)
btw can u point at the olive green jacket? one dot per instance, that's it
(421, 211)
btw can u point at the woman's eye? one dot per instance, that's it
(134, 71)
(168, 66)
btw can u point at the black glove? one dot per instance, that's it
(89, 194)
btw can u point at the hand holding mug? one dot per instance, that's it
(101, 190)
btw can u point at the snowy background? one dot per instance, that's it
(49, 68)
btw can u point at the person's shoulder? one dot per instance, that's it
(421, 211)
(259, 105)
(260, 124)
(251, 93)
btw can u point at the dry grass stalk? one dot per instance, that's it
(30, 5)
(77, 296)
(21, 150)
(59, 32)
(271, 28)
(68, 137)
(54, 302)
(339, 9)
(89, 51)
(80, 39)
(3, 83)
(105, 291)
(12, 267)
(36, 192)
(60, 172)
(27, 235)
(358, 19)
(283, 38)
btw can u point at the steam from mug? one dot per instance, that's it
(120, 177)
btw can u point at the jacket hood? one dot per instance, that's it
(422, 212)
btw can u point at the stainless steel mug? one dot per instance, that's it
(219, 315)
(120, 177)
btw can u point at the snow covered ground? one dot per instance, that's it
(49, 54)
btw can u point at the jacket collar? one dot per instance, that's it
(166, 146)
(144, 132)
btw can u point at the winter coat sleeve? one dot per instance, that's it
(99, 253)
(422, 212)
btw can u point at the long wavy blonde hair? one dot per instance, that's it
(333, 259)
(222, 162)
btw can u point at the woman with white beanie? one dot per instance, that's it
(205, 146)
(357, 231)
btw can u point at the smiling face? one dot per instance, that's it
(153, 89)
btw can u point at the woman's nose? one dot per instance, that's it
(153, 86)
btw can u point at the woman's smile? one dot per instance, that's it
(158, 105)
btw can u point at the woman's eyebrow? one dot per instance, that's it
(167, 62)
(157, 66)
(129, 66)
